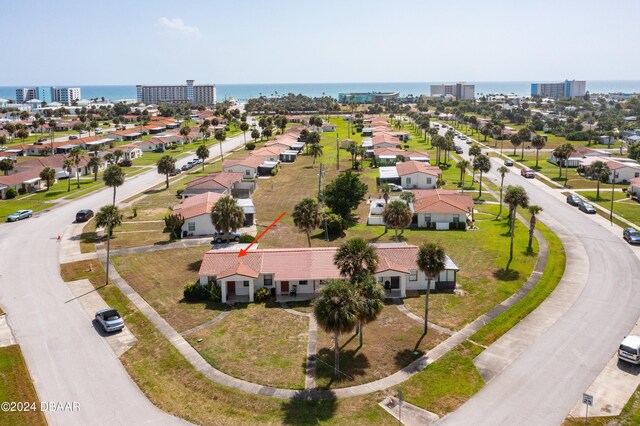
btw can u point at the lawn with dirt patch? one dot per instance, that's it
(390, 343)
(260, 343)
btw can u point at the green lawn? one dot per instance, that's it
(16, 386)
(622, 205)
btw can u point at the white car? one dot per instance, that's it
(395, 187)
(629, 349)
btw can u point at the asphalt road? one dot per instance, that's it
(67, 358)
(543, 384)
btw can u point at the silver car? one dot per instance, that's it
(110, 320)
(19, 215)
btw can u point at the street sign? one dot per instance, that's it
(587, 399)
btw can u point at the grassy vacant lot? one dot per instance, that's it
(622, 205)
(173, 385)
(160, 276)
(482, 257)
(260, 343)
(390, 343)
(16, 386)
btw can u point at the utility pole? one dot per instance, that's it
(337, 152)
(613, 188)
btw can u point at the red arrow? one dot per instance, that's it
(243, 252)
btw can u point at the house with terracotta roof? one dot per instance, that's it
(622, 170)
(441, 209)
(298, 273)
(580, 152)
(126, 135)
(23, 182)
(131, 151)
(224, 183)
(417, 174)
(269, 153)
(248, 166)
(385, 140)
(196, 211)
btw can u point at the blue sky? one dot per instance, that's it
(249, 41)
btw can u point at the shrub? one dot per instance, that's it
(274, 171)
(227, 128)
(179, 192)
(577, 136)
(335, 224)
(11, 193)
(246, 239)
(251, 146)
(195, 292)
(22, 191)
(406, 146)
(262, 295)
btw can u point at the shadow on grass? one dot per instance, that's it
(407, 356)
(352, 364)
(506, 274)
(194, 266)
(305, 409)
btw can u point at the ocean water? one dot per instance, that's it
(243, 92)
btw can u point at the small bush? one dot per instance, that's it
(261, 295)
(227, 128)
(251, 146)
(22, 191)
(11, 193)
(196, 292)
(406, 146)
(577, 136)
(274, 171)
(246, 239)
(179, 192)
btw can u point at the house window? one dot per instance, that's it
(303, 282)
(192, 226)
(413, 275)
(637, 174)
(427, 218)
(268, 280)
(456, 218)
(408, 181)
(247, 172)
(245, 283)
(428, 181)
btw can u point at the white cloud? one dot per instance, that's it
(176, 26)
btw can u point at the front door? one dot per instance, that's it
(231, 288)
(284, 287)
(395, 283)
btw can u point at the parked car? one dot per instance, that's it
(508, 163)
(574, 200)
(631, 235)
(175, 172)
(98, 131)
(463, 137)
(629, 349)
(395, 187)
(124, 163)
(185, 167)
(219, 237)
(469, 141)
(43, 139)
(19, 215)
(587, 208)
(197, 161)
(72, 137)
(459, 150)
(159, 149)
(84, 215)
(528, 173)
(110, 320)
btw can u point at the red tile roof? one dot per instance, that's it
(221, 180)
(197, 205)
(410, 167)
(250, 161)
(441, 201)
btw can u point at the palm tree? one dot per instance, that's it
(114, 177)
(482, 163)
(538, 142)
(431, 260)
(94, 163)
(503, 171)
(68, 167)
(561, 156)
(167, 165)
(515, 141)
(385, 190)
(356, 257)
(568, 150)
(307, 216)
(255, 134)
(220, 135)
(184, 132)
(52, 130)
(117, 155)
(109, 216)
(49, 176)
(462, 165)
(533, 211)
(244, 126)
(202, 153)
(226, 216)
(315, 150)
(397, 214)
(599, 171)
(76, 156)
(371, 301)
(336, 311)
(515, 196)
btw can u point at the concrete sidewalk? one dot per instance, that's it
(409, 414)
(70, 244)
(6, 336)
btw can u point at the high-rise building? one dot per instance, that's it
(459, 90)
(64, 95)
(367, 97)
(566, 89)
(202, 94)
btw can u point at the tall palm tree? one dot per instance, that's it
(568, 151)
(561, 155)
(371, 301)
(397, 214)
(220, 135)
(108, 217)
(462, 165)
(515, 141)
(49, 176)
(599, 171)
(503, 172)
(167, 165)
(114, 177)
(68, 167)
(431, 260)
(356, 257)
(307, 216)
(538, 142)
(76, 156)
(336, 311)
(202, 152)
(244, 126)
(227, 216)
(533, 211)
(515, 196)
(315, 150)
(483, 164)
(94, 164)
(184, 132)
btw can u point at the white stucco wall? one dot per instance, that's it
(419, 181)
(246, 171)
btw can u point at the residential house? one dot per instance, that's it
(622, 170)
(416, 174)
(130, 151)
(328, 127)
(442, 209)
(221, 183)
(385, 140)
(580, 153)
(126, 135)
(248, 166)
(196, 211)
(634, 188)
(269, 153)
(23, 182)
(302, 271)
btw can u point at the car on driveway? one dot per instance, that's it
(110, 320)
(395, 187)
(219, 237)
(528, 173)
(574, 200)
(631, 235)
(84, 215)
(508, 163)
(19, 215)
(587, 208)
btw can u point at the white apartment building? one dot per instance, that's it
(459, 90)
(194, 94)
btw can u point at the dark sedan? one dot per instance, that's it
(587, 208)
(631, 236)
(573, 199)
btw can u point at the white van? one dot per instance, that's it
(629, 349)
